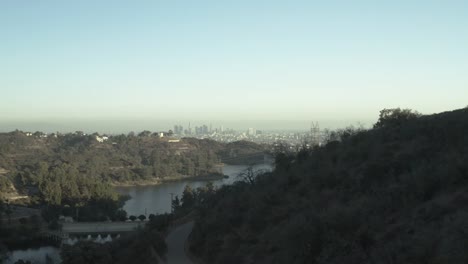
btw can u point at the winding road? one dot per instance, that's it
(176, 244)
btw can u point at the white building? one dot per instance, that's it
(101, 139)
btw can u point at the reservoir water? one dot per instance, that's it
(156, 199)
(35, 255)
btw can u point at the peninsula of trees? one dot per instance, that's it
(75, 169)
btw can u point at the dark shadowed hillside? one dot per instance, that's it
(397, 193)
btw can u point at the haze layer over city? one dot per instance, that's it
(116, 66)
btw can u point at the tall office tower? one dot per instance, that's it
(315, 134)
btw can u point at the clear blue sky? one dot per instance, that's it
(230, 60)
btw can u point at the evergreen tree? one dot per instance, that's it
(175, 203)
(188, 197)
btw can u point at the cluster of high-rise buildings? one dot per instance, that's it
(197, 130)
(311, 138)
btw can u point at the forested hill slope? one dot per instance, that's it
(397, 193)
(27, 160)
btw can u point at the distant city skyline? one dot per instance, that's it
(131, 125)
(67, 64)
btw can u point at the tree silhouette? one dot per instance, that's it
(395, 116)
(8, 212)
(142, 217)
(175, 203)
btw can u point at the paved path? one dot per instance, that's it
(100, 227)
(176, 244)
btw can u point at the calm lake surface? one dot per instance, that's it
(156, 199)
(36, 256)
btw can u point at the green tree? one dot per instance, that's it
(144, 133)
(188, 197)
(142, 217)
(121, 215)
(2, 207)
(151, 217)
(8, 212)
(51, 192)
(395, 117)
(132, 217)
(175, 203)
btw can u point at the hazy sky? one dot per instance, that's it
(230, 60)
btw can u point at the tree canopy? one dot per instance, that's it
(395, 117)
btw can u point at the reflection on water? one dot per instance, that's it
(157, 199)
(98, 239)
(37, 255)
